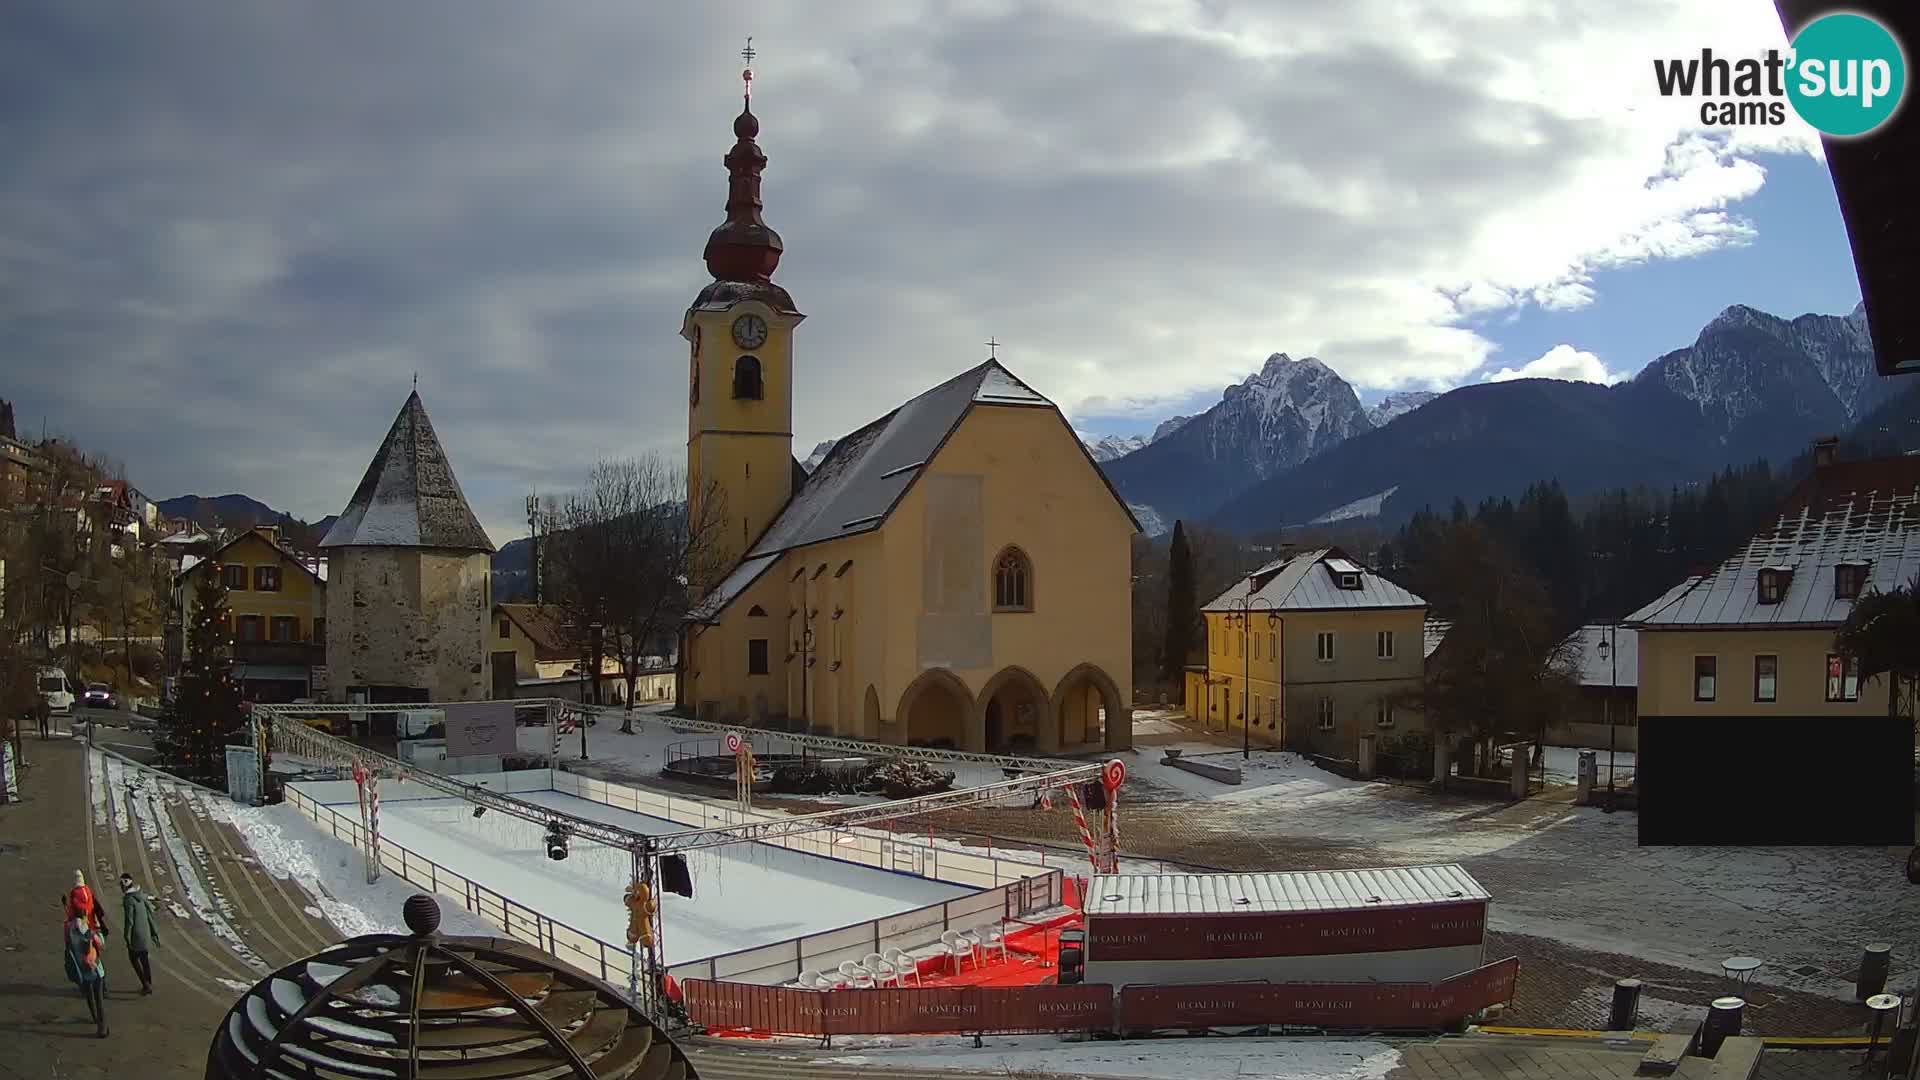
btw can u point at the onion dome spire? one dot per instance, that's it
(743, 248)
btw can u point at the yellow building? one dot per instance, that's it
(276, 612)
(534, 652)
(954, 573)
(1754, 637)
(1314, 647)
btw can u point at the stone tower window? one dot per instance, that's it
(746, 379)
(1012, 581)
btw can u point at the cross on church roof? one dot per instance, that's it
(747, 54)
(993, 349)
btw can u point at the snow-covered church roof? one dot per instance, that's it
(409, 497)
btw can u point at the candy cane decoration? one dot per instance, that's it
(1080, 819)
(1112, 777)
(373, 828)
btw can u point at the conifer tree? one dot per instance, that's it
(205, 714)
(1183, 612)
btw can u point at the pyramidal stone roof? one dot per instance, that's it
(409, 497)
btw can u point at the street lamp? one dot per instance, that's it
(1611, 654)
(1241, 614)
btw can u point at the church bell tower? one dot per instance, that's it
(739, 333)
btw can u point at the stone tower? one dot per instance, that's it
(409, 578)
(740, 372)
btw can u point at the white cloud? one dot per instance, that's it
(258, 226)
(1562, 362)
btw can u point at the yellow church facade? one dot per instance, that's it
(956, 573)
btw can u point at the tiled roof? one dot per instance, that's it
(1620, 668)
(857, 484)
(1307, 890)
(1306, 582)
(1436, 632)
(545, 626)
(1838, 525)
(409, 497)
(743, 575)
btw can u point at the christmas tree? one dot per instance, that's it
(205, 714)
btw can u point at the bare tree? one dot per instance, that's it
(621, 552)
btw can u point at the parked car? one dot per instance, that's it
(56, 692)
(100, 696)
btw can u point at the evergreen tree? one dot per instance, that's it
(205, 714)
(1183, 614)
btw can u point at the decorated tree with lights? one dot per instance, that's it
(205, 714)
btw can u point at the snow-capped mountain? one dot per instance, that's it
(1168, 426)
(1751, 373)
(1108, 447)
(1276, 418)
(1398, 404)
(812, 461)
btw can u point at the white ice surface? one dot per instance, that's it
(743, 894)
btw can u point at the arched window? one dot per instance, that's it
(746, 378)
(1012, 581)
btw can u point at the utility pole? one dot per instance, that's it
(533, 543)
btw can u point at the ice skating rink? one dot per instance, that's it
(744, 895)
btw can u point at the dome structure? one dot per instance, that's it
(422, 1006)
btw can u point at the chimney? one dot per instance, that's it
(1825, 449)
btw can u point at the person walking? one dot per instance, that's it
(143, 931)
(87, 968)
(81, 901)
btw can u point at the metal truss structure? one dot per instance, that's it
(292, 736)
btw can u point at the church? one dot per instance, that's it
(956, 573)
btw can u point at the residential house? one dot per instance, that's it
(1754, 637)
(1605, 661)
(1317, 649)
(276, 613)
(953, 573)
(536, 647)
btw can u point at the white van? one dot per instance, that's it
(54, 688)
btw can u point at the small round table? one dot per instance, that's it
(1740, 969)
(1881, 1004)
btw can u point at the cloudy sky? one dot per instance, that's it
(231, 233)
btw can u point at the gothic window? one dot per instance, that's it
(1012, 581)
(746, 378)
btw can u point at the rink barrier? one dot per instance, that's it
(772, 963)
(981, 1010)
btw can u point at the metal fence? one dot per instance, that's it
(610, 962)
(1008, 890)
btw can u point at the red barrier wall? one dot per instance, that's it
(910, 1011)
(1337, 1005)
(1303, 933)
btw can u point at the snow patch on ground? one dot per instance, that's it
(150, 799)
(333, 873)
(1266, 774)
(234, 985)
(1366, 506)
(1656, 1014)
(1186, 1059)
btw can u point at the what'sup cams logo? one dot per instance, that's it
(1844, 74)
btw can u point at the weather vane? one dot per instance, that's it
(746, 76)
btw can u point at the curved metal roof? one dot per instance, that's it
(422, 1007)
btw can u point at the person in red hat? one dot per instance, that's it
(81, 903)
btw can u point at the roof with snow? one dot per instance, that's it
(409, 497)
(1619, 667)
(1311, 581)
(1435, 633)
(1308, 890)
(546, 626)
(316, 570)
(864, 476)
(1836, 524)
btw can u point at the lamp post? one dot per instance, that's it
(1241, 612)
(1610, 652)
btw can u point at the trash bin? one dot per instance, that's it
(1873, 971)
(1073, 956)
(1723, 1020)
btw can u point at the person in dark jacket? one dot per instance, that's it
(141, 928)
(87, 967)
